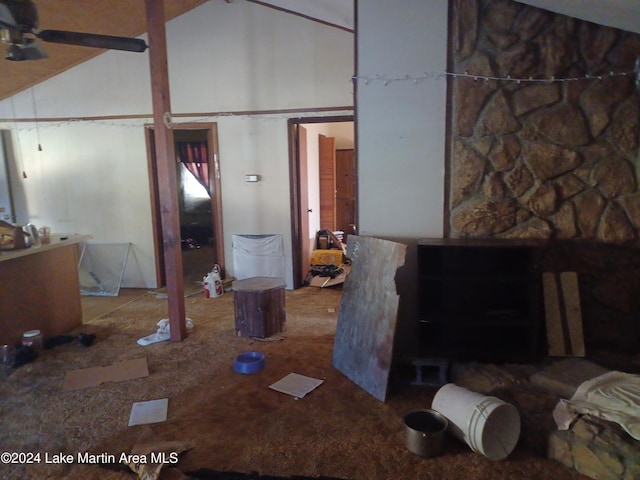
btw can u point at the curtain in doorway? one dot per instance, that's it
(195, 157)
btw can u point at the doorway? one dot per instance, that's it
(316, 148)
(200, 204)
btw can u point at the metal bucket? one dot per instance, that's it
(424, 432)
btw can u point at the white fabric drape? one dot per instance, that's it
(258, 256)
(613, 396)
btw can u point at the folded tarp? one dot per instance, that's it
(612, 396)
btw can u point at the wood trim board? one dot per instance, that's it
(563, 314)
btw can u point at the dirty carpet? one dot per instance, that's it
(233, 422)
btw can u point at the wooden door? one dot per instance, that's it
(327, 167)
(305, 235)
(346, 192)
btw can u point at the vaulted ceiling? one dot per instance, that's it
(622, 14)
(114, 17)
(127, 18)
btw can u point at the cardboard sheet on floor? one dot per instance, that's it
(296, 385)
(151, 411)
(116, 372)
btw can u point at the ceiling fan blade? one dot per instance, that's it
(93, 40)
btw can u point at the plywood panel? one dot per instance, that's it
(363, 345)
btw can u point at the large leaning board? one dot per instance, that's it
(363, 345)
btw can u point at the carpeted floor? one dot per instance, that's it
(234, 423)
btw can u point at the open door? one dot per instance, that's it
(303, 213)
(299, 202)
(210, 132)
(305, 245)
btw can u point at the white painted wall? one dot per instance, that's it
(91, 176)
(401, 124)
(6, 204)
(401, 128)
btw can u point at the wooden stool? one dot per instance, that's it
(259, 306)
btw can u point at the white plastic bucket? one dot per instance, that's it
(488, 425)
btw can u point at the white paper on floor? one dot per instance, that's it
(296, 385)
(152, 411)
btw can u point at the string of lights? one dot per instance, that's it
(366, 79)
(420, 78)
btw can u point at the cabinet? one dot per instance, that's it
(479, 299)
(40, 289)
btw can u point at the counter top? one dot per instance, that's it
(57, 241)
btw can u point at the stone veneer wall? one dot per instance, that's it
(552, 160)
(596, 449)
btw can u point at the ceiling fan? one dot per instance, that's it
(18, 30)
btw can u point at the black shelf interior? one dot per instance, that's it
(478, 302)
